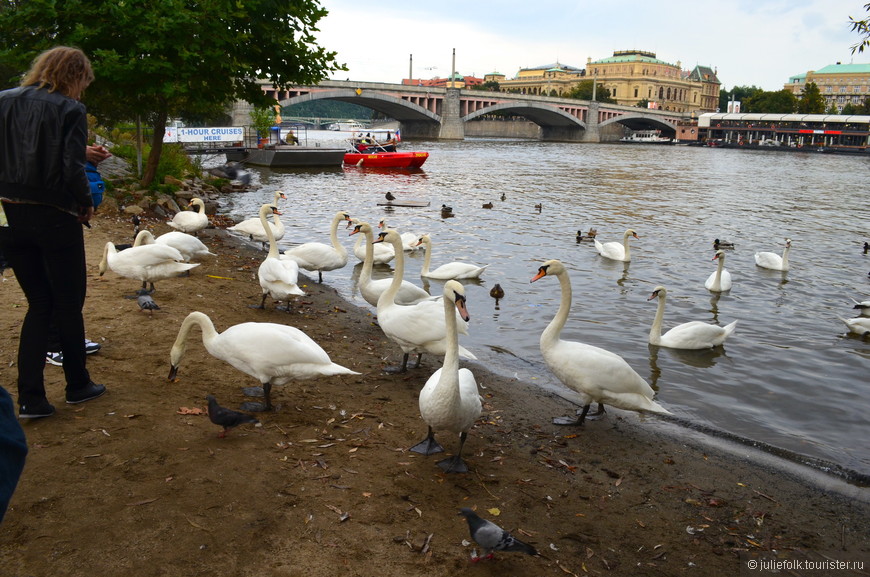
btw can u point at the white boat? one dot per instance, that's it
(646, 137)
(347, 126)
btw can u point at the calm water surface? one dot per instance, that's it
(789, 377)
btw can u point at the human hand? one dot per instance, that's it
(85, 215)
(97, 154)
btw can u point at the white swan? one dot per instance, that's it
(418, 328)
(452, 270)
(188, 245)
(719, 281)
(148, 263)
(278, 278)
(596, 374)
(253, 227)
(381, 253)
(858, 325)
(409, 239)
(450, 401)
(614, 250)
(772, 260)
(316, 256)
(190, 221)
(863, 307)
(371, 290)
(692, 335)
(273, 354)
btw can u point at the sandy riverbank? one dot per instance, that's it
(129, 484)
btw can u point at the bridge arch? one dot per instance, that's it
(391, 106)
(641, 122)
(540, 114)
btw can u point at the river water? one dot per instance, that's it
(789, 378)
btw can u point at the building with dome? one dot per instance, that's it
(636, 77)
(548, 80)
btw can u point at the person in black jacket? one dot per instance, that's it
(46, 198)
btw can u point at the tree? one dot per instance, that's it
(863, 28)
(738, 93)
(779, 102)
(583, 91)
(811, 100)
(172, 58)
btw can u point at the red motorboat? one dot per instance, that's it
(366, 151)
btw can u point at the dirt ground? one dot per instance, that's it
(134, 484)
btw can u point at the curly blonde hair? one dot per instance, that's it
(63, 68)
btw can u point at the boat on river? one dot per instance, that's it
(287, 156)
(366, 151)
(646, 137)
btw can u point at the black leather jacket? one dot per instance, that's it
(43, 136)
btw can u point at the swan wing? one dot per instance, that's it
(456, 270)
(695, 335)
(315, 256)
(146, 255)
(600, 375)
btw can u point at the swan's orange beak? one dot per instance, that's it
(355, 230)
(173, 374)
(380, 238)
(542, 272)
(460, 306)
(635, 236)
(654, 295)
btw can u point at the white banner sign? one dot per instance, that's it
(205, 134)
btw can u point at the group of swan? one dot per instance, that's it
(371, 290)
(148, 263)
(189, 246)
(417, 328)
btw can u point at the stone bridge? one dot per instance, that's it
(442, 113)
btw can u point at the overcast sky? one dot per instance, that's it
(749, 42)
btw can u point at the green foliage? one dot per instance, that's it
(779, 102)
(584, 89)
(489, 86)
(738, 93)
(862, 27)
(811, 100)
(262, 119)
(172, 58)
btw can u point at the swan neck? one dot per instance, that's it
(655, 333)
(366, 274)
(427, 258)
(180, 345)
(273, 245)
(451, 354)
(388, 297)
(627, 246)
(785, 256)
(333, 235)
(554, 329)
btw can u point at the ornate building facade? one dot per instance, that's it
(632, 76)
(840, 84)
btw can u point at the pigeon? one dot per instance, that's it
(146, 303)
(389, 196)
(226, 418)
(492, 537)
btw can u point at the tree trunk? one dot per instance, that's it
(159, 128)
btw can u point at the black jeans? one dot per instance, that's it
(46, 250)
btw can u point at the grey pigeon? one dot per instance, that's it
(147, 303)
(492, 537)
(226, 418)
